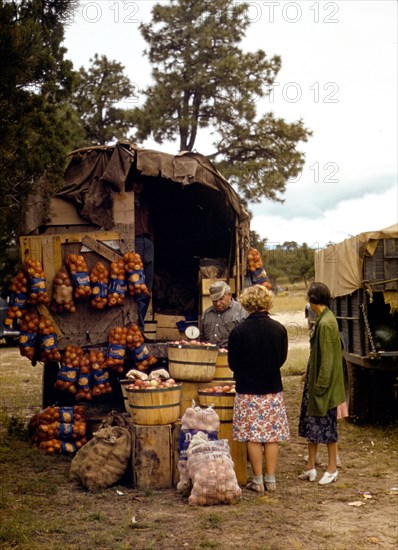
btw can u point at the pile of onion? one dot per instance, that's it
(192, 343)
(194, 419)
(153, 384)
(211, 470)
(226, 388)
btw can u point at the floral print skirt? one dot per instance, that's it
(260, 418)
(317, 429)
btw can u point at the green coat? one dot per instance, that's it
(325, 366)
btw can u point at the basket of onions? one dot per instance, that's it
(154, 401)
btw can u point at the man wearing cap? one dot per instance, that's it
(220, 318)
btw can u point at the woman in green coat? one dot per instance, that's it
(324, 386)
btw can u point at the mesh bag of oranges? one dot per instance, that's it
(79, 273)
(117, 284)
(37, 293)
(258, 274)
(18, 298)
(135, 274)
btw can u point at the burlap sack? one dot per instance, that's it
(104, 459)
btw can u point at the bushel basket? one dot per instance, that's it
(223, 374)
(222, 403)
(154, 406)
(192, 363)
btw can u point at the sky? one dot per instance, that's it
(339, 75)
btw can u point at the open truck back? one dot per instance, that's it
(362, 275)
(200, 228)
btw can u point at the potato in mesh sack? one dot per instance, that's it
(62, 300)
(194, 420)
(211, 470)
(104, 459)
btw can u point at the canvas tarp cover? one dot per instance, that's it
(95, 173)
(340, 266)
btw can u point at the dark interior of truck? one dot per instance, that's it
(193, 226)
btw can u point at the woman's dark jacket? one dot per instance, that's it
(257, 348)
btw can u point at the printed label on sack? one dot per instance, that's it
(185, 439)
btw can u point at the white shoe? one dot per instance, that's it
(318, 460)
(256, 487)
(308, 474)
(328, 478)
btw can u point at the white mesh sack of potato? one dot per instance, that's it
(194, 420)
(211, 469)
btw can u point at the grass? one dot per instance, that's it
(20, 388)
(296, 363)
(40, 508)
(289, 301)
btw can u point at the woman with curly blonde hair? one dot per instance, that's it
(257, 349)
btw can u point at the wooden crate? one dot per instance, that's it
(153, 457)
(238, 452)
(190, 393)
(87, 326)
(205, 302)
(175, 434)
(166, 328)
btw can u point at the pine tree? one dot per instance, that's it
(35, 80)
(98, 99)
(203, 79)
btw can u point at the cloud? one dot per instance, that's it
(306, 199)
(367, 213)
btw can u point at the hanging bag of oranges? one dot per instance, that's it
(117, 285)
(135, 274)
(79, 272)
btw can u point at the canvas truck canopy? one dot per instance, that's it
(340, 266)
(195, 212)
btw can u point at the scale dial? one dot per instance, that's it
(192, 332)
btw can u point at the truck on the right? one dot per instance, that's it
(362, 275)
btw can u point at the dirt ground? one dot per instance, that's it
(359, 511)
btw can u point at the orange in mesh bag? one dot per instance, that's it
(211, 470)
